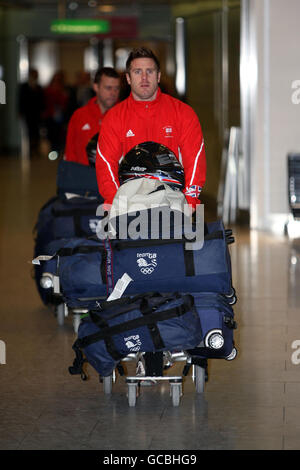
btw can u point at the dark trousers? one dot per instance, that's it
(153, 364)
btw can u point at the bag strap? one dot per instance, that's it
(107, 304)
(109, 342)
(71, 212)
(107, 262)
(78, 363)
(123, 244)
(120, 244)
(76, 213)
(81, 249)
(145, 320)
(129, 303)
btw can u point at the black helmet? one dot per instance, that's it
(91, 149)
(154, 161)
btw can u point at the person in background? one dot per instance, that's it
(83, 88)
(86, 121)
(150, 115)
(56, 105)
(31, 105)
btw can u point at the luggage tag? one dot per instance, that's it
(120, 287)
(41, 258)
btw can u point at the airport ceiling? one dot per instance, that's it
(74, 4)
(82, 3)
(92, 8)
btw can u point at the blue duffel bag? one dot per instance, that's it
(73, 177)
(61, 219)
(89, 269)
(148, 322)
(217, 324)
(166, 265)
(66, 218)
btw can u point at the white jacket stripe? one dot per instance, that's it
(196, 161)
(109, 167)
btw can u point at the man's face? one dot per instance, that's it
(107, 91)
(143, 77)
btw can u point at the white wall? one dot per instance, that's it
(275, 131)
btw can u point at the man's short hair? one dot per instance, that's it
(141, 53)
(107, 71)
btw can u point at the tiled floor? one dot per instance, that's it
(252, 402)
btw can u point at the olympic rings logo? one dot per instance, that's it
(147, 270)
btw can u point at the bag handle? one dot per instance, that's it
(126, 304)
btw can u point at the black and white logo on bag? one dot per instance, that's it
(133, 343)
(147, 262)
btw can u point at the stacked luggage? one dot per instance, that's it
(71, 213)
(138, 295)
(175, 299)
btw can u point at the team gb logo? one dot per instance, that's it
(147, 262)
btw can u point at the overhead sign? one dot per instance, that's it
(123, 27)
(80, 26)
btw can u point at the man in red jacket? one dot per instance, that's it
(150, 115)
(85, 121)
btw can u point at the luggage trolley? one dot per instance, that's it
(198, 376)
(133, 382)
(196, 359)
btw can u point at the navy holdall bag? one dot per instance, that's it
(89, 269)
(62, 217)
(145, 323)
(58, 221)
(66, 218)
(73, 177)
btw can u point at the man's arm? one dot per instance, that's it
(109, 152)
(192, 151)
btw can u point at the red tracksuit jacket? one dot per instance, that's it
(83, 125)
(165, 120)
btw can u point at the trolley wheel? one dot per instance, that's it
(76, 322)
(107, 385)
(199, 379)
(132, 393)
(60, 314)
(175, 393)
(232, 355)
